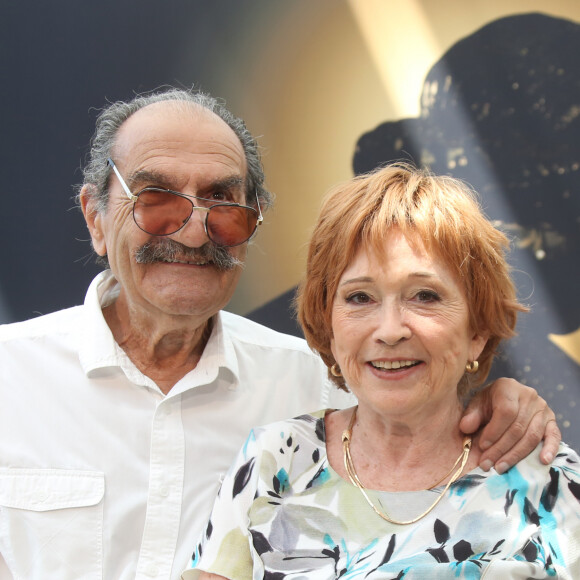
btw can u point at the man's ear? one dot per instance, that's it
(93, 218)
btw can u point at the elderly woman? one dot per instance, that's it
(406, 298)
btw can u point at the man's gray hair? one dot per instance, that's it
(96, 172)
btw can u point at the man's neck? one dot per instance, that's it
(163, 348)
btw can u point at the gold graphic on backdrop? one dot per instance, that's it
(537, 240)
(569, 343)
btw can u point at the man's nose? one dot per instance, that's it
(193, 233)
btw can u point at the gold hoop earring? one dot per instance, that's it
(335, 370)
(472, 367)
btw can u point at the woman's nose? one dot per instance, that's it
(392, 326)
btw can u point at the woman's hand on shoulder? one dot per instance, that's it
(516, 419)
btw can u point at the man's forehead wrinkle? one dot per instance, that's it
(137, 145)
(172, 180)
(146, 153)
(150, 143)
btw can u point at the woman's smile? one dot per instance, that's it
(393, 365)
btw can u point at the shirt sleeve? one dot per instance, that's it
(226, 546)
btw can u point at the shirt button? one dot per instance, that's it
(152, 570)
(164, 491)
(40, 497)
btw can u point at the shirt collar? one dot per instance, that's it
(98, 349)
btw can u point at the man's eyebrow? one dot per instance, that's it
(163, 180)
(149, 176)
(231, 182)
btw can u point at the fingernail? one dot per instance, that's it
(485, 445)
(548, 457)
(502, 467)
(487, 465)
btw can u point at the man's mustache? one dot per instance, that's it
(168, 250)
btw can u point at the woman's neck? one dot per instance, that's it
(395, 455)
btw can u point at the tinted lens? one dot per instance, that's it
(231, 225)
(161, 213)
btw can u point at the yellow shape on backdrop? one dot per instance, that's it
(569, 343)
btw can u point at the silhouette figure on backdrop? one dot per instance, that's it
(501, 110)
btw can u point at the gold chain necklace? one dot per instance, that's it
(349, 466)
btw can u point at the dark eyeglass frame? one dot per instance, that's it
(134, 198)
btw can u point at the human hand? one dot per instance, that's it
(517, 420)
(207, 576)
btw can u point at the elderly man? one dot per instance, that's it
(118, 417)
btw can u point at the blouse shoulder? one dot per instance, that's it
(306, 427)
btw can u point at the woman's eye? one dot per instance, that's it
(427, 296)
(358, 298)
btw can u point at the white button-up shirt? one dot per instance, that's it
(102, 476)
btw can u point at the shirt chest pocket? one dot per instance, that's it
(51, 523)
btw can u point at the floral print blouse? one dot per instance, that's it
(283, 513)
